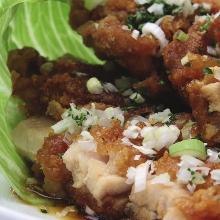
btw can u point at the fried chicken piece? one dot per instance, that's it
(199, 89)
(49, 158)
(202, 205)
(215, 4)
(121, 9)
(66, 89)
(98, 178)
(26, 61)
(175, 201)
(157, 201)
(64, 83)
(111, 41)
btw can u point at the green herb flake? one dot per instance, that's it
(207, 71)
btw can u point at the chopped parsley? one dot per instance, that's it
(172, 119)
(202, 10)
(79, 116)
(207, 71)
(136, 21)
(196, 177)
(206, 25)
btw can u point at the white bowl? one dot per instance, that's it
(11, 208)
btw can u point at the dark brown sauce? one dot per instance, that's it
(54, 210)
(70, 216)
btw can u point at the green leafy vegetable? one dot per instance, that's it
(42, 25)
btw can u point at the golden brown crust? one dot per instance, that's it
(111, 41)
(202, 205)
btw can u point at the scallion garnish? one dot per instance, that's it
(206, 25)
(181, 36)
(207, 71)
(192, 147)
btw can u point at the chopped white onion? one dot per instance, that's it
(187, 129)
(75, 118)
(135, 34)
(188, 161)
(132, 132)
(125, 27)
(162, 179)
(131, 172)
(184, 176)
(156, 9)
(142, 2)
(159, 137)
(139, 119)
(89, 211)
(214, 156)
(160, 117)
(191, 187)
(216, 72)
(143, 149)
(185, 60)
(215, 175)
(109, 88)
(137, 157)
(141, 176)
(157, 32)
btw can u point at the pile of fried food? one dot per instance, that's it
(138, 137)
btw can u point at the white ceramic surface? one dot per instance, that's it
(13, 209)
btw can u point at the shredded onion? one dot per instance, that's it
(157, 32)
(215, 175)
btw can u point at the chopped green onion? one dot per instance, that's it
(181, 36)
(138, 98)
(206, 25)
(192, 147)
(207, 71)
(46, 67)
(94, 86)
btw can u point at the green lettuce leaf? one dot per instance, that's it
(44, 26)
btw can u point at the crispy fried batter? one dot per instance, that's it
(111, 41)
(109, 144)
(191, 80)
(167, 164)
(203, 205)
(49, 160)
(61, 84)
